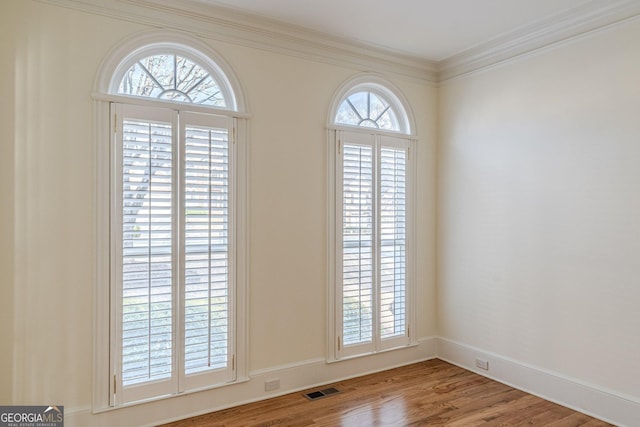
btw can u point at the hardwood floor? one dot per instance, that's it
(432, 393)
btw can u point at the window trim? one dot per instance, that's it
(151, 102)
(102, 399)
(358, 83)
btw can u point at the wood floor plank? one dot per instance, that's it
(432, 393)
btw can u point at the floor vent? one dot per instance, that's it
(321, 393)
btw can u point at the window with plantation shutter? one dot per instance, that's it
(371, 225)
(174, 173)
(174, 250)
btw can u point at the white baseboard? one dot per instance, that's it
(293, 377)
(589, 399)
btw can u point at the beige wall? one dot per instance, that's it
(289, 101)
(49, 145)
(538, 207)
(539, 210)
(53, 186)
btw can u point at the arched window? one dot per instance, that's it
(176, 184)
(173, 77)
(371, 228)
(181, 70)
(369, 101)
(368, 109)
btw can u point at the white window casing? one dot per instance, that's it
(371, 200)
(171, 223)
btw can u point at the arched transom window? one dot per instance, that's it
(172, 77)
(368, 109)
(174, 72)
(370, 102)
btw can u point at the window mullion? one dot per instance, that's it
(233, 245)
(209, 275)
(149, 240)
(179, 254)
(376, 243)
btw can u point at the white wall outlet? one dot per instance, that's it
(482, 364)
(271, 385)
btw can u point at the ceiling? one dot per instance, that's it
(429, 29)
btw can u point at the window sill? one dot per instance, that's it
(373, 353)
(169, 396)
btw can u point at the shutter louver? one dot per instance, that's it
(206, 246)
(392, 242)
(146, 251)
(357, 238)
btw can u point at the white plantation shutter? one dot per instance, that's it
(357, 243)
(371, 242)
(147, 175)
(144, 239)
(174, 253)
(207, 255)
(393, 240)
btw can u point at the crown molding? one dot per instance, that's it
(213, 21)
(229, 25)
(590, 16)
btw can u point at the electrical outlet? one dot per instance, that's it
(482, 364)
(271, 385)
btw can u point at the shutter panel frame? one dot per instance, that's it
(224, 371)
(127, 118)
